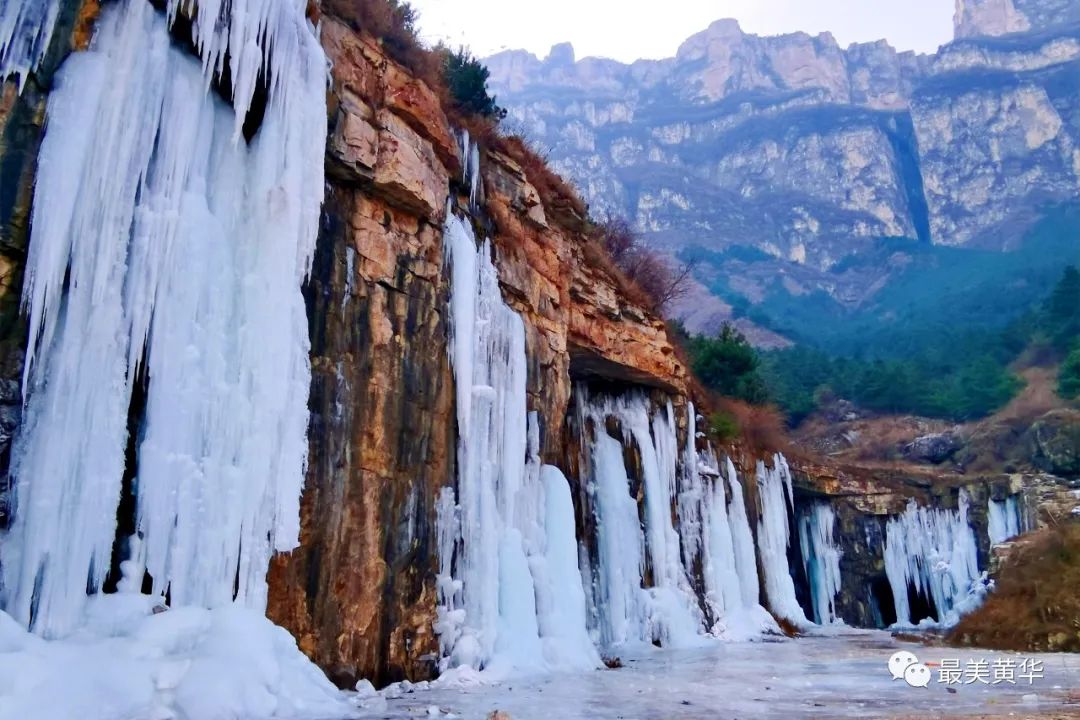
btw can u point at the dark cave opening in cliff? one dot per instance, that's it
(921, 605)
(882, 601)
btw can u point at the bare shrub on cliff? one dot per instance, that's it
(554, 190)
(648, 270)
(760, 427)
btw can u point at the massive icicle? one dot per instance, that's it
(26, 27)
(775, 499)
(512, 600)
(161, 244)
(933, 552)
(1004, 519)
(667, 612)
(821, 560)
(621, 605)
(719, 537)
(743, 541)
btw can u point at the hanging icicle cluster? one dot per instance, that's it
(716, 532)
(167, 256)
(666, 612)
(776, 502)
(511, 597)
(1005, 520)
(821, 561)
(933, 553)
(26, 27)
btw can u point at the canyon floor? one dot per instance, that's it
(840, 674)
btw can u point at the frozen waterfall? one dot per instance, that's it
(511, 598)
(625, 610)
(165, 264)
(26, 27)
(1004, 519)
(933, 554)
(776, 504)
(821, 560)
(716, 534)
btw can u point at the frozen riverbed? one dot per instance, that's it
(842, 675)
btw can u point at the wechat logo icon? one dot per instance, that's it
(903, 665)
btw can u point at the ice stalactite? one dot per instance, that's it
(716, 532)
(511, 599)
(470, 153)
(821, 560)
(626, 612)
(776, 503)
(621, 605)
(932, 553)
(450, 617)
(163, 245)
(692, 495)
(26, 27)
(743, 541)
(1005, 521)
(560, 596)
(722, 586)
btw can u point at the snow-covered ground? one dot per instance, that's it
(840, 674)
(232, 664)
(128, 663)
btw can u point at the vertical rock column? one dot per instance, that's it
(359, 592)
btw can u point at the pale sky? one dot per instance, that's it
(627, 30)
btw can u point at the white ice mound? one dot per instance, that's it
(128, 663)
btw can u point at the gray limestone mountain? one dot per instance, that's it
(792, 166)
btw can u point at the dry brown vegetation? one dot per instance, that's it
(643, 266)
(761, 427)
(1036, 604)
(393, 24)
(554, 189)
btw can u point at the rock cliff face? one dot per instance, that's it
(359, 594)
(864, 501)
(806, 151)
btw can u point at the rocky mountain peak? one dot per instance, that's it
(560, 54)
(975, 18)
(987, 17)
(725, 32)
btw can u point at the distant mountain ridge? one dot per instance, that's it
(809, 153)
